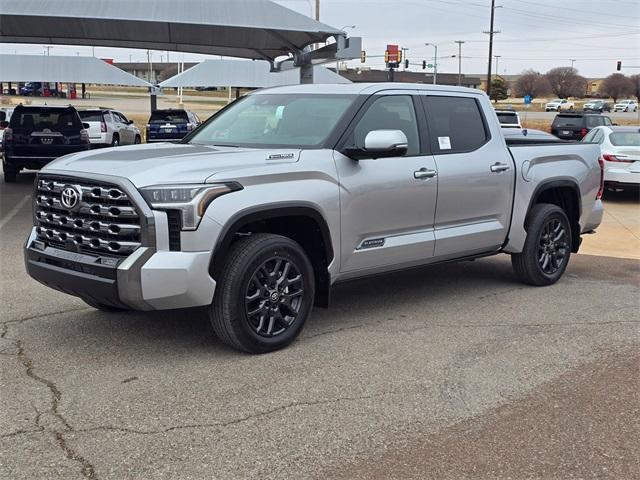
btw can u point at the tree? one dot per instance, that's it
(565, 82)
(532, 83)
(168, 72)
(499, 89)
(617, 85)
(635, 85)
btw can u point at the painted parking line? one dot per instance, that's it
(14, 211)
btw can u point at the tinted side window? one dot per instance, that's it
(607, 121)
(393, 112)
(455, 123)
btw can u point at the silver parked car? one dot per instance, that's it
(109, 128)
(620, 154)
(287, 191)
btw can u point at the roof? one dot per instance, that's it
(242, 73)
(35, 68)
(256, 29)
(365, 88)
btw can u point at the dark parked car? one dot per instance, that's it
(170, 125)
(575, 125)
(596, 106)
(36, 135)
(36, 89)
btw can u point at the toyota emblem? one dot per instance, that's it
(69, 198)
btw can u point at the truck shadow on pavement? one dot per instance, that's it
(358, 303)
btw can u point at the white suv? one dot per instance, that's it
(625, 106)
(109, 128)
(558, 105)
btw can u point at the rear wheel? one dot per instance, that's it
(264, 295)
(547, 248)
(115, 141)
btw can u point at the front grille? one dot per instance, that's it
(104, 222)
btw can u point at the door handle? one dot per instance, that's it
(499, 167)
(424, 173)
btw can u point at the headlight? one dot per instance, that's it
(191, 200)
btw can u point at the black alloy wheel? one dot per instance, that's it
(274, 297)
(552, 247)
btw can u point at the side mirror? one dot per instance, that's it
(86, 126)
(129, 122)
(380, 144)
(4, 124)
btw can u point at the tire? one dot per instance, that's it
(241, 322)
(115, 141)
(137, 140)
(529, 266)
(10, 174)
(102, 307)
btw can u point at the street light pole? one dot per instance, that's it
(435, 61)
(497, 57)
(404, 57)
(459, 42)
(572, 60)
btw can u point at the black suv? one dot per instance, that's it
(36, 135)
(575, 125)
(170, 125)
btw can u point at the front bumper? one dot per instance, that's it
(146, 280)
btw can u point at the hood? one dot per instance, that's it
(163, 163)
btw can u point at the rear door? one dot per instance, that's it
(387, 204)
(567, 126)
(476, 175)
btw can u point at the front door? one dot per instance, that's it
(476, 176)
(387, 204)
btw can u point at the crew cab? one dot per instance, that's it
(286, 192)
(558, 105)
(37, 134)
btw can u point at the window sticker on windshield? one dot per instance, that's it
(445, 143)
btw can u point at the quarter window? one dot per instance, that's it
(393, 112)
(456, 124)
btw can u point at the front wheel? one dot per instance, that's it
(10, 174)
(264, 294)
(547, 248)
(138, 140)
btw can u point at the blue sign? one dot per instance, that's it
(527, 99)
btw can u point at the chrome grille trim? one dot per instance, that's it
(106, 221)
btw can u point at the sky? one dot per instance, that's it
(538, 34)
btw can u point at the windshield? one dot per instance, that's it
(507, 118)
(169, 116)
(556, 100)
(625, 139)
(91, 116)
(274, 120)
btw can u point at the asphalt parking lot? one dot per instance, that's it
(451, 372)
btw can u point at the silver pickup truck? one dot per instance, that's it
(259, 211)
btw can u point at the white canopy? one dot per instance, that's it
(41, 68)
(242, 73)
(256, 29)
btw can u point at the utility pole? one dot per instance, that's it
(572, 60)
(459, 42)
(48, 47)
(318, 10)
(404, 57)
(435, 61)
(491, 33)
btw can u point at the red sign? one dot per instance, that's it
(393, 53)
(108, 60)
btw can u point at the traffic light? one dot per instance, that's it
(424, 64)
(619, 66)
(406, 63)
(363, 56)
